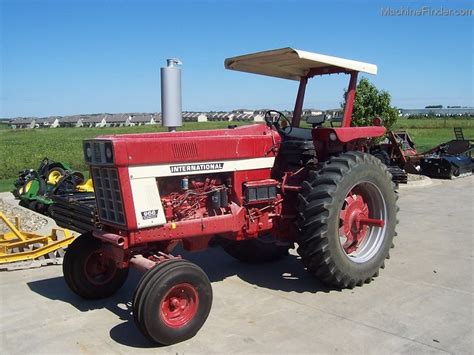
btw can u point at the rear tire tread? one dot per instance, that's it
(314, 210)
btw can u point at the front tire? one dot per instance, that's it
(88, 272)
(347, 219)
(172, 301)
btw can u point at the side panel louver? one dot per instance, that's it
(184, 150)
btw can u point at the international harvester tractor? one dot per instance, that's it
(258, 189)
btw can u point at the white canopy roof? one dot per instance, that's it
(289, 63)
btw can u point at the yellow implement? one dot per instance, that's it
(54, 176)
(19, 246)
(86, 187)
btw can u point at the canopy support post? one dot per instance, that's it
(350, 95)
(299, 102)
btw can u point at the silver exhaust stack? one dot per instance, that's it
(171, 111)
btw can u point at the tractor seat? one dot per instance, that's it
(297, 147)
(297, 133)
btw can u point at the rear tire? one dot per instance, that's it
(382, 156)
(259, 250)
(87, 271)
(172, 301)
(334, 247)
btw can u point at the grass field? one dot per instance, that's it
(429, 133)
(404, 123)
(20, 149)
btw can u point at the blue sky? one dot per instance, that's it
(68, 57)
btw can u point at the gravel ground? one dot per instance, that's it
(414, 177)
(29, 221)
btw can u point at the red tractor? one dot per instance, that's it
(258, 188)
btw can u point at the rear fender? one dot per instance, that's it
(346, 134)
(331, 141)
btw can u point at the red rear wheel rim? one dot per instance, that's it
(354, 208)
(179, 306)
(361, 222)
(99, 270)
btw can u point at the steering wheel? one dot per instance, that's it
(278, 120)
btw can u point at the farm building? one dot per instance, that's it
(117, 120)
(201, 117)
(194, 117)
(95, 121)
(188, 117)
(215, 116)
(312, 112)
(246, 117)
(258, 117)
(438, 112)
(71, 121)
(244, 111)
(335, 112)
(48, 122)
(23, 122)
(141, 119)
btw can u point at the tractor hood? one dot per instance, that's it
(246, 142)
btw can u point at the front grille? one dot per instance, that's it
(97, 153)
(107, 193)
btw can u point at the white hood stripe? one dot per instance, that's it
(194, 168)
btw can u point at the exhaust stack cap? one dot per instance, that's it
(172, 62)
(171, 95)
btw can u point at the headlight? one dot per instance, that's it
(98, 152)
(109, 153)
(87, 152)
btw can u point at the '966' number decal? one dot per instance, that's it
(149, 214)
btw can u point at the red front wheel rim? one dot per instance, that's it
(180, 305)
